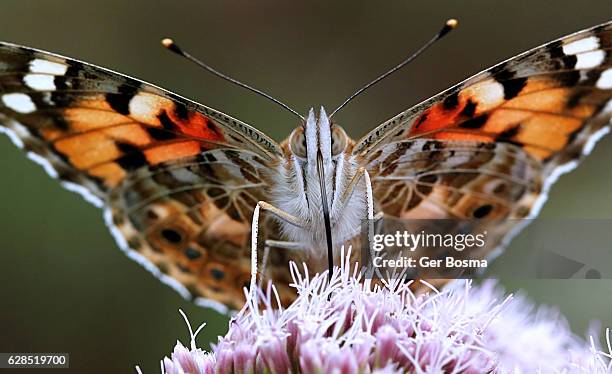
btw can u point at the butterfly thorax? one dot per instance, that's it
(297, 187)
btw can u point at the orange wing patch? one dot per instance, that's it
(111, 173)
(459, 107)
(110, 135)
(173, 117)
(540, 114)
(174, 151)
(196, 125)
(84, 151)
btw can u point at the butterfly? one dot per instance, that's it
(187, 190)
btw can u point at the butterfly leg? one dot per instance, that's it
(264, 262)
(280, 214)
(292, 246)
(377, 217)
(346, 196)
(350, 189)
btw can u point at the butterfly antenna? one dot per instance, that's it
(448, 26)
(169, 44)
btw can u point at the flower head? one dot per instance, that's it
(353, 325)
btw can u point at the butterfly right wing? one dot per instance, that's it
(179, 181)
(518, 124)
(489, 148)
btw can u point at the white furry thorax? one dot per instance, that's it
(290, 194)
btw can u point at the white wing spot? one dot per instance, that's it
(490, 94)
(608, 107)
(19, 102)
(47, 67)
(40, 82)
(590, 59)
(582, 45)
(605, 80)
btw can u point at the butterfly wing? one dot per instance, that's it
(489, 147)
(179, 180)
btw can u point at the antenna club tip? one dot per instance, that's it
(167, 42)
(448, 26)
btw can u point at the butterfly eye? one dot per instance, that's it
(297, 143)
(338, 140)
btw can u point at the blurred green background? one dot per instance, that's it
(65, 287)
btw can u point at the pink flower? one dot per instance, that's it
(350, 325)
(185, 361)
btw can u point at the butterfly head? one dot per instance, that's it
(318, 136)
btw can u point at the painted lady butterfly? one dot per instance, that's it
(180, 182)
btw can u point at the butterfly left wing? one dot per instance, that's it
(179, 180)
(489, 147)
